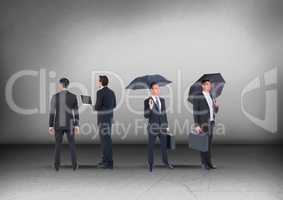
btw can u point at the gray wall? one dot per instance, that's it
(178, 39)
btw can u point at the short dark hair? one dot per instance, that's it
(104, 80)
(204, 81)
(152, 84)
(65, 82)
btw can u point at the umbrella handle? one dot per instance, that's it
(151, 103)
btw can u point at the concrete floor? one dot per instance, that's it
(244, 173)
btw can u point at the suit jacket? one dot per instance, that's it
(157, 121)
(64, 111)
(201, 111)
(105, 103)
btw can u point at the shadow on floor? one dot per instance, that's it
(126, 167)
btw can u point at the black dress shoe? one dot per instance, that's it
(109, 167)
(75, 167)
(150, 167)
(205, 166)
(101, 163)
(105, 166)
(169, 166)
(211, 166)
(56, 168)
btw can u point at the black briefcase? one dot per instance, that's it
(198, 142)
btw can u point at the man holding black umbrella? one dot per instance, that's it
(155, 112)
(204, 109)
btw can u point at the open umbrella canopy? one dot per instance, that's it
(217, 82)
(143, 82)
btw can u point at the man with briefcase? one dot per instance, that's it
(204, 109)
(155, 112)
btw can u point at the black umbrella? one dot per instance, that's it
(216, 80)
(143, 82)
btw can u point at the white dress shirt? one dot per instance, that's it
(156, 98)
(210, 104)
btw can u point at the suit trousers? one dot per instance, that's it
(58, 143)
(106, 142)
(163, 147)
(206, 156)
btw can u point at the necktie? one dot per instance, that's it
(157, 103)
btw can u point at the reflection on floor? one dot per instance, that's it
(243, 173)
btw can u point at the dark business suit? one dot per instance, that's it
(201, 114)
(157, 127)
(63, 117)
(105, 103)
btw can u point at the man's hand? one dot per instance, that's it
(198, 130)
(51, 131)
(77, 130)
(150, 104)
(215, 103)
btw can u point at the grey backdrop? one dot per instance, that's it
(241, 39)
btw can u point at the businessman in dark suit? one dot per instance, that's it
(64, 119)
(204, 109)
(105, 103)
(155, 112)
